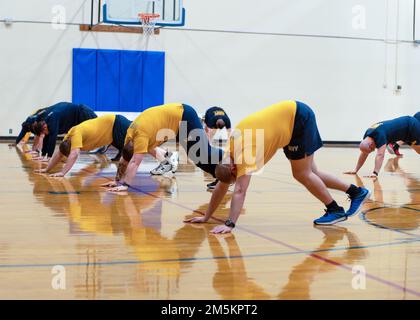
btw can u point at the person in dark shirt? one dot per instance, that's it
(406, 129)
(27, 131)
(394, 147)
(215, 118)
(59, 119)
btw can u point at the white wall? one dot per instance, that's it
(342, 79)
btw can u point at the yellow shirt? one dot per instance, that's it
(155, 126)
(92, 134)
(261, 135)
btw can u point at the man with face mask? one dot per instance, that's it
(290, 125)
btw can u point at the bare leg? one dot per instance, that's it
(302, 172)
(330, 181)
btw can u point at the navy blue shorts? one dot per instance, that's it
(305, 137)
(213, 157)
(119, 131)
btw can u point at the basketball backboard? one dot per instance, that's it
(126, 12)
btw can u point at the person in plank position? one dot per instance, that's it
(290, 125)
(154, 127)
(89, 135)
(394, 147)
(59, 119)
(405, 129)
(27, 130)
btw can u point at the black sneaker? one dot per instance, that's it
(212, 185)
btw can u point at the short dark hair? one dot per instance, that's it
(26, 126)
(65, 147)
(38, 127)
(128, 151)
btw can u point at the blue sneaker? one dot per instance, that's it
(357, 202)
(331, 217)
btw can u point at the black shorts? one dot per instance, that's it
(305, 137)
(213, 156)
(119, 131)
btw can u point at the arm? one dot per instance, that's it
(45, 143)
(237, 203)
(52, 137)
(360, 163)
(217, 197)
(71, 160)
(21, 135)
(130, 173)
(380, 155)
(54, 161)
(122, 168)
(38, 142)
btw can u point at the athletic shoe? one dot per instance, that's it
(162, 168)
(390, 148)
(101, 150)
(357, 202)
(394, 148)
(173, 159)
(212, 185)
(397, 150)
(331, 217)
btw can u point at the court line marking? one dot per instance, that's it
(254, 255)
(313, 255)
(363, 217)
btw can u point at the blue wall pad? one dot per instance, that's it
(108, 80)
(153, 77)
(118, 80)
(131, 89)
(84, 77)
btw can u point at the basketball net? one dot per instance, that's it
(148, 22)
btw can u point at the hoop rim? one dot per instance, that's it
(149, 15)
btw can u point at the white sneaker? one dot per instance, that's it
(162, 168)
(173, 158)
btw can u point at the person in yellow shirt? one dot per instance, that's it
(87, 136)
(154, 127)
(290, 125)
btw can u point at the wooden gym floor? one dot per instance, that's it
(135, 245)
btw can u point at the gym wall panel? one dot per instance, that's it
(131, 93)
(118, 80)
(84, 77)
(108, 80)
(153, 77)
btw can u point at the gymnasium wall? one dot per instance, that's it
(340, 57)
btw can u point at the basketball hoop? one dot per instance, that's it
(148, 21)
